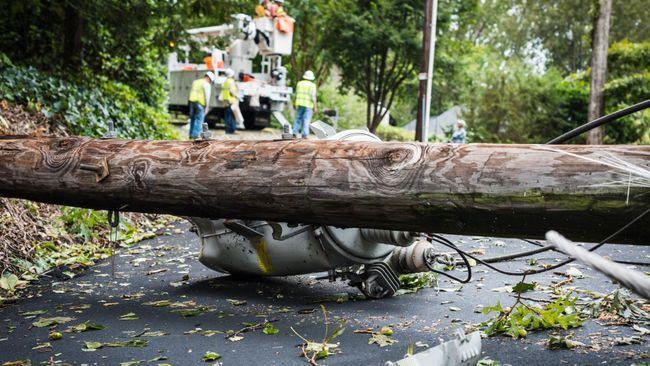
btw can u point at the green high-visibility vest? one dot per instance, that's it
(197, 93)
(225, 94)
(305, 91)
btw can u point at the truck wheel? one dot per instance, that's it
(254, 120)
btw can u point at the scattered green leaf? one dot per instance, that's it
(129, 316)
(413, 282)
(18, 363)
(516, 322)
(46, 322)
(236, 302)
(85, 326)
(131, 363)
(91, 346)
(154, 334)
(487, 362)
(211, 356)
(558, 342)
(43, 347)
(158, 303)
(269, 329)
(312, 350)
(31, 314)
(186, 313)
(381, 340)
(522, 287)
(10, 283)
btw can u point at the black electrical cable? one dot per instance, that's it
(508, 257)
(446, 242)
(544, 248)
(505, 258)
(533, 242)
(645, 264)
(599, 122)
(563, 138)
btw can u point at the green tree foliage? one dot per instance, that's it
(82, 39)
(376, 44)
(628, 83)
(509, 102)
(84, 110)
(309, 40)
(512, 102)
(555, 33)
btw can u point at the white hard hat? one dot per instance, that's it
(461, 122)
(308, 75)
(211, 76)
(230, 72)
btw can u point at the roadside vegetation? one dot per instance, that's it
(46, 240)
(81, 109)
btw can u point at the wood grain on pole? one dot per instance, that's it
(478, 189)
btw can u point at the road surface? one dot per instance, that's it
(165, 268)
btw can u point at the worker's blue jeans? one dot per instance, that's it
(197, 115)
(302, 121)
(231, 123)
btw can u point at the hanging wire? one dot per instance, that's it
(429, 265)
(446, 242)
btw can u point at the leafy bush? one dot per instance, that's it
(518, 320)
(391, 133)
(511, 102)
(351, 108)
(83, 110)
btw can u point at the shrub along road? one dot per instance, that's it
(164, 307)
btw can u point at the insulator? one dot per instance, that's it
(393, 237)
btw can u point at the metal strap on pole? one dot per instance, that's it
(114, 222)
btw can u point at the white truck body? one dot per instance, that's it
(262, 91)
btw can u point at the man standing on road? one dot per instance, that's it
(306, 104)
(199, 103)
(230, 96)
(460, 135)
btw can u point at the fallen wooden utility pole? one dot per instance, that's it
(586, 192)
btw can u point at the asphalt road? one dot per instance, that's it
(165, 268)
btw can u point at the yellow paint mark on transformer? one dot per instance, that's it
(263, 260)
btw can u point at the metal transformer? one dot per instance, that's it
(371, 259)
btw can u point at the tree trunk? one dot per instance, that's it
(73, 42)
(599, 70)
(477, 189)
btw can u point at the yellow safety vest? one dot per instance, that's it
(197, 93)
(225, 94)
(305, 94)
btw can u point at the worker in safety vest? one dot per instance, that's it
(230, 96)
(306, 104)
(199, 102)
